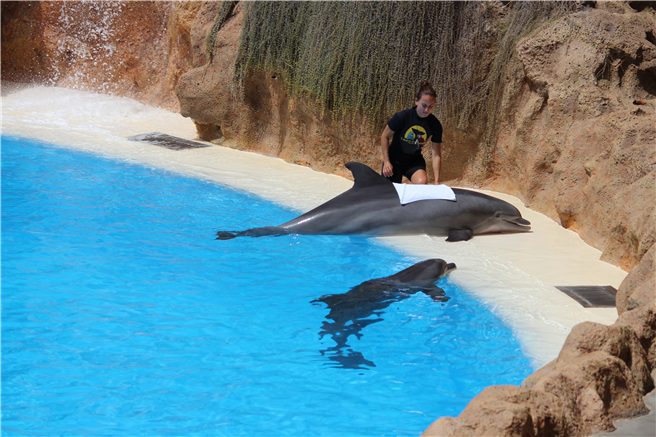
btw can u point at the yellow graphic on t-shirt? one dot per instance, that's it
(415, 135)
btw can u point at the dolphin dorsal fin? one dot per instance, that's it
(364, 176)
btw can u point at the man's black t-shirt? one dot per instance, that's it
(411, 132)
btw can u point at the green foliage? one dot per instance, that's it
(368, 58)
(225, 10)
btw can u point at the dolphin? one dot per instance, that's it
(350, 312)
(372, 207)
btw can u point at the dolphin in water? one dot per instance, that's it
(372, 207)
(350, 312)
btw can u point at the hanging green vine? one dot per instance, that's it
(225, 10)
(368, 57)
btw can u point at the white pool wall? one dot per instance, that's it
(513, 274)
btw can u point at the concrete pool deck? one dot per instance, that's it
(514, 274)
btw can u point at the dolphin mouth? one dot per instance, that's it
(521, 223)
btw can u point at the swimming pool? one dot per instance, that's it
(122, 315)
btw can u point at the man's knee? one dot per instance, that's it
(419, 177)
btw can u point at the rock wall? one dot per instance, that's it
(133, 49)
(578, 141)
(263, 117)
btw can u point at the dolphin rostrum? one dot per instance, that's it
(372, 207)
(351, 312)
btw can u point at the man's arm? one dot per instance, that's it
(385, 141)
(437, 161)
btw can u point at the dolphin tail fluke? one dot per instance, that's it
(272, 231)
(226, 235)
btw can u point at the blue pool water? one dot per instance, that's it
(121, 315)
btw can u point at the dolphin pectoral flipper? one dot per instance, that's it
(436, 293)
(271, 231)
(460, 234)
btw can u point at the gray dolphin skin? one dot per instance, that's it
(372, 207)
(351, 312)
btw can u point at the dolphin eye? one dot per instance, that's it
(497, 214)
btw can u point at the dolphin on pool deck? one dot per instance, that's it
(350, 312)
(372, 207)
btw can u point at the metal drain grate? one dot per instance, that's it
(591, 296)
(168, 141)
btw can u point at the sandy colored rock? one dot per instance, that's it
(639, 287)
(595, 389)
(262, 117)
(619, 341)
(600, 376)
(575, 147)
(504, 411)
(205, 92)
(577, 397)
(643, 322)
(636, 304)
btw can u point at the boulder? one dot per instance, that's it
(505, 411)
(639, 287)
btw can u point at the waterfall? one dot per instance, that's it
(87, 44)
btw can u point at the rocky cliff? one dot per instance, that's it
(132, 49)
(575, 137)
(578, 141)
